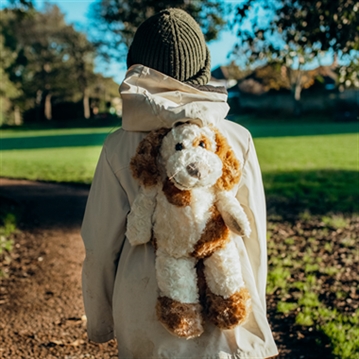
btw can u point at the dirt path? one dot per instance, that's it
(42, 314)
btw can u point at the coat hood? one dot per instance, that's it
(152, 100)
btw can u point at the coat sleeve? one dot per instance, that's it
(251, 197)
(103, 233)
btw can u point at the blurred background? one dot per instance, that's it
(64, 60)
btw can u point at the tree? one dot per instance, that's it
(21, 7)
(49, 60)
(40, 66)
(297, 32)
(81, 59)
(9, 92)
(116, 21)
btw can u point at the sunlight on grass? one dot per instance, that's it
(7, 228)
(315, 282)
(308, 152)
(278, 157)
(67, 164)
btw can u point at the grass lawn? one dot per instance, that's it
(311, 172)
(66, 164)
(58, 155)
(9, 213)
(319, 174)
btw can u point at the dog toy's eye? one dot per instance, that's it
(179, 147)
(202, 144)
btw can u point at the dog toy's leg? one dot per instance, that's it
(139, 220)
(178, 307)
(228, 300)
(233, 213)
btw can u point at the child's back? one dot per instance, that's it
(119, 281)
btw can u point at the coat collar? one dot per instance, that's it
(152, 100)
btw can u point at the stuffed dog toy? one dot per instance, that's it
(186, 208)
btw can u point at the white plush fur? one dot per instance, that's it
(223, 271)
(176, 277)
(139, 220)
(177, 229)
(233, 213)
(176, 162)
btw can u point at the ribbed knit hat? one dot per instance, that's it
(172, 42)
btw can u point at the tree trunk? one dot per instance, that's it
(48, 108)
(297, 95)
(17, 116)
(86, 102)
(38, 105)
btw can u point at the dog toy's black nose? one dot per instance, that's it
(193, 170)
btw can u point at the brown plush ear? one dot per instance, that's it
(144, 164)
(231, 172)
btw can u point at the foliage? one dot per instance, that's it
(8, 90)
(117, 20)
(274, 76)
(48, 62)
(23, 5)
(307, 28)
(294, 33)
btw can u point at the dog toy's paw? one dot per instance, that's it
(246, 228)
(230, 312)
(181, 319)
(240, 227)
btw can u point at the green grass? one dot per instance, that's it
(305, 277)
(56, 155)
(279, 155)
(314, 173)
(66, 164)
(324, 152)
(9, 213)
(319, 174)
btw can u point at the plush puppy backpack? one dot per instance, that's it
(186, 208)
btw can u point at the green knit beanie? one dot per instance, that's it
(172, 42)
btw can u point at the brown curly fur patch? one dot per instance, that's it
(214, 237)
(230, 312)
(205, 140)
(144, 164)
(175, 196)
(182, 319)
(231, 172)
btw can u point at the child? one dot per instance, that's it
(168, 71)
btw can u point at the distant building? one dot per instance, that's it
(270, 88)
(226, 76)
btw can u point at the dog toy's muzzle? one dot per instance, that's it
(198, 170)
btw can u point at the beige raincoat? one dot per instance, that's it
(119, 282)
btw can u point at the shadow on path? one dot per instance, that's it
(22, 143)
(47, 205)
